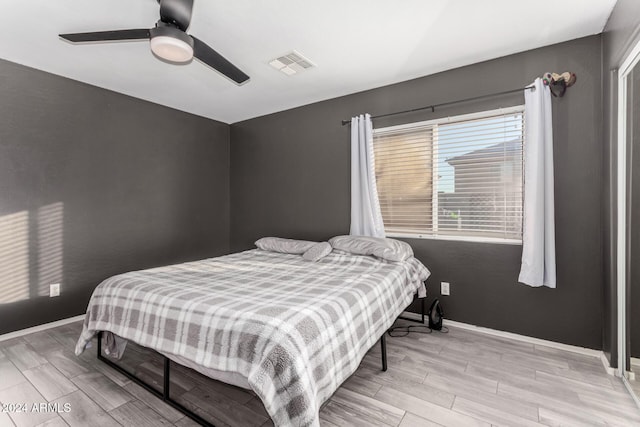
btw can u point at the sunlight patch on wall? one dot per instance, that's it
(49, 254)
(14, 257)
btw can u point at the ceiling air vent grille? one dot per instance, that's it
(291, 63)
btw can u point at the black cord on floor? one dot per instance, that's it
(403, 331)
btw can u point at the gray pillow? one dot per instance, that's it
(317, 251)
(285, 246)
(387, 249)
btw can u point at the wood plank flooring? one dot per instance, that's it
(635, 384)
(457, 379)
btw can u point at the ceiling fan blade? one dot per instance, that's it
(176, 12)
(107, 36)
(204, 53)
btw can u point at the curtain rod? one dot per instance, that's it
(433, 107)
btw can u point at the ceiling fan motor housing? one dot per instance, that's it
(176, 12)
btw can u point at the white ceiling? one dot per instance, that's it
(356, 44)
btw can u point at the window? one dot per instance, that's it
(457, 177)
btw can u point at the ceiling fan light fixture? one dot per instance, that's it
(171, 44)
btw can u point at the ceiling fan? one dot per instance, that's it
(169, 40)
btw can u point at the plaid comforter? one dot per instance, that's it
(295, 329)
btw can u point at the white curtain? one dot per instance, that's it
(366, 218)
(538, 240)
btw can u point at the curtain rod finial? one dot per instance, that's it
(558, 83)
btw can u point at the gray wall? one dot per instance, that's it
(290, 177)
(94, 183)
(620, 35)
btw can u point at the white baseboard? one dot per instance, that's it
(39, 328)
(607, 365)
(516, 337)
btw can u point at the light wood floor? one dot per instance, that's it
(635, 384)
(457, 379)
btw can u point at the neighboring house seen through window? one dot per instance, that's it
(455, 178)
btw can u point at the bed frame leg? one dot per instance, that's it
(100, 345)
(383, 348)
(166, 393)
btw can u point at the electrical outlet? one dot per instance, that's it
(444, 288)
(54, 290)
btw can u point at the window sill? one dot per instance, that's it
(470, 239)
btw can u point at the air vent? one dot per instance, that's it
(292, 63)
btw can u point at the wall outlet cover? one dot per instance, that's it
(54, 290)
(444, 288)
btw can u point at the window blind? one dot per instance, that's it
(459, 177)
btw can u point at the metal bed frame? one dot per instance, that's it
(165, 394)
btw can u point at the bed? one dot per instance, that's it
(289, 329)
